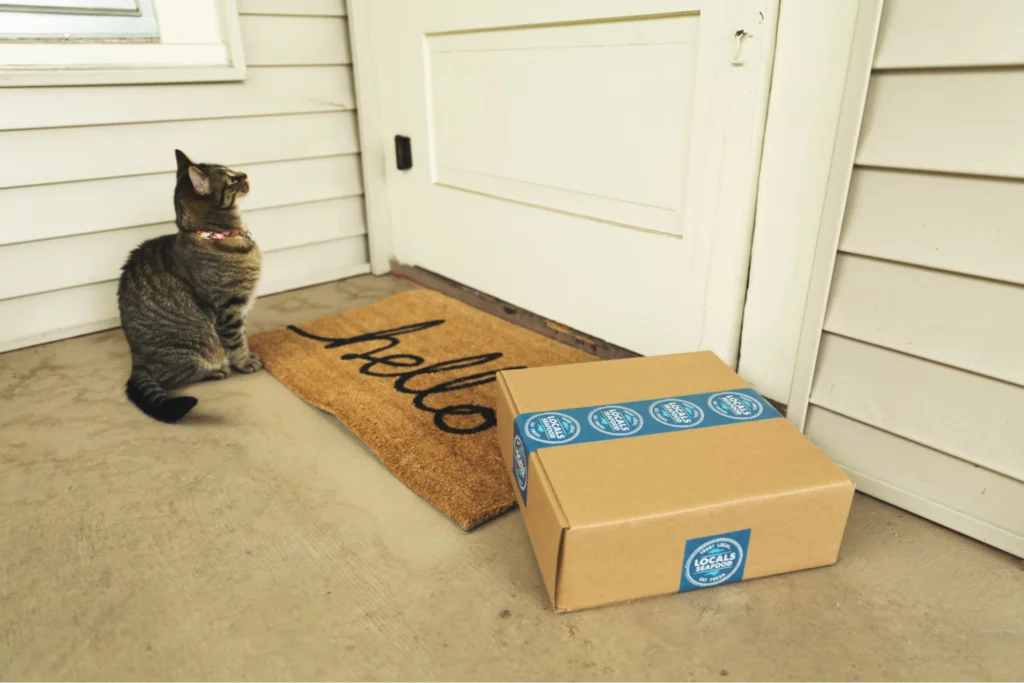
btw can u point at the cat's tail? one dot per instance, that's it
(147, 394)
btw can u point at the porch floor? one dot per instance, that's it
(259, 539)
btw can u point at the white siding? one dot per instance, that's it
(919, 385)
(949, 33)
(95, 171)
(959, 224)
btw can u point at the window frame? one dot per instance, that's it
(79, 20)
(113, 6)
(172, 41)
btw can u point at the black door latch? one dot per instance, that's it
(403, 152)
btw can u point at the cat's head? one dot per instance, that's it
(219, 187)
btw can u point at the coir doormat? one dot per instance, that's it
(413, 377)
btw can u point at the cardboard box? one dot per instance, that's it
(656, 475)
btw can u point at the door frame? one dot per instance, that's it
(848, 128)
(822, 57)
(812, 48)
(374, 152)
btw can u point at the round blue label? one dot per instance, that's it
(677, 413)
(615, 420)
(553, 428)
(519, 463)
(714, 562)
(735, 406)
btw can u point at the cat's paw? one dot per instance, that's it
(220, 373)
(250, 364)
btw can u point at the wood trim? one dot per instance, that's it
(840, 174)
(803, 113)
(374, 151)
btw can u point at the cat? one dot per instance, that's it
(184, 297)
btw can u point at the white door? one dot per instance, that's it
(593, 161)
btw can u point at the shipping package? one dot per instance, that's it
(663, 474)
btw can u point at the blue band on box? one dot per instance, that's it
(552, 428)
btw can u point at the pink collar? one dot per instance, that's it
(211, 235)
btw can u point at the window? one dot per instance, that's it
(96, 42)
(78, 20)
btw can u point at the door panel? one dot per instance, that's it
(592, 161)
(506, 125)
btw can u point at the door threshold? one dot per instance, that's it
(523, 318)
(514, 314)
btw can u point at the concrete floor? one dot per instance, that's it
(261, 540)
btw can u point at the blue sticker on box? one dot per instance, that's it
(736, 406)
(714, 560)
(615, 420)
(520, 465)
(553, 428)
(677, 413)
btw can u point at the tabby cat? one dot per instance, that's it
(184, 297)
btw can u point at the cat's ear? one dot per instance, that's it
(200, 181)
(183, 162)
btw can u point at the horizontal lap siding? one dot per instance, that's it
(955, 493)
(96, 205)
(969, 416)
(935, 34)
(967, 322)
(265, 91)
(95, 171)
(953, 121)
(278, 227)
(277, 40)
(318, 8)
(61, 155)
(88, 308)
(919, 385)
(954, 223)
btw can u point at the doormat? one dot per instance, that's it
(413, 377)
